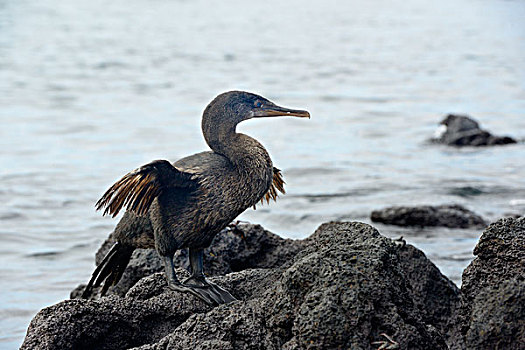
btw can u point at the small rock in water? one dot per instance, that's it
(465, 191)
(461, 130)
(452, 216)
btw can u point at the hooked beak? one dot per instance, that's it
(277, 111)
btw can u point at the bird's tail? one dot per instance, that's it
(109, 270)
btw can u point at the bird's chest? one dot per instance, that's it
(253, 185)
(243, 186)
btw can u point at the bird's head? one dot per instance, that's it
(234, 107)
(222, 115)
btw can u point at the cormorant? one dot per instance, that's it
(185, 204)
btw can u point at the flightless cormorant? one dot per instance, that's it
(185, 204)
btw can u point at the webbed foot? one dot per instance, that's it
(197, 285)
(209, 292)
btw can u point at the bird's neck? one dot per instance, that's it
(218, 135)
(246, 153)
(242, 150)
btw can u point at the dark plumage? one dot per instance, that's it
(184, 205)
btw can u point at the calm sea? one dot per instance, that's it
(92, 89)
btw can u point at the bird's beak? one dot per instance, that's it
(277, 111)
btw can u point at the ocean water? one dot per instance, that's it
(91, 90)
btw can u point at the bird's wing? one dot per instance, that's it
(277, 185)
(137, 189)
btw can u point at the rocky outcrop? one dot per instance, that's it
(461, 130)
(493, 290)
(453, 216)
(147, 313)
(346, 286)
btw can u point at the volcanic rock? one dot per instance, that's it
(452, 216)
(346, 286)
(461, 130)
(493, 289)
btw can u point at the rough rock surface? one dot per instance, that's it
(435, 295)
(345, 287)
(461, 130)
(493, 290)
(234, 249)
(453, 216)
(149, 312)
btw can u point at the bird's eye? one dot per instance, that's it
(257, 104)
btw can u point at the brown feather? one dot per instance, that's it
(136, 191)
(277, 185)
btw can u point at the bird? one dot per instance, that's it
(183, 205)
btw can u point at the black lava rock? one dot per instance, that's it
(493, 289)
(437, 298)
(344, 287)
(453, 216)
(461, 130)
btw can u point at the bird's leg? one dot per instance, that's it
(169, 270)
(197, 278)
(174, 284)
(198, 282)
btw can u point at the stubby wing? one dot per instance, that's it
(137, 189)
(277, 185)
